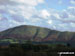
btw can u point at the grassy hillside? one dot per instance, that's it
(39, 34)
(35, 41)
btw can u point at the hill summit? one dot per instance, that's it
(34, 33)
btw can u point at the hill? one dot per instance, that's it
(38, 34)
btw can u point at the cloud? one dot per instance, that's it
(63, 21)
(17, 12)
(29, 2)
(50, 21)
(44, 14)
(64, 15)
(72, 1)
(6, 2)
(71, 10)
(24, 12)
(41, 1)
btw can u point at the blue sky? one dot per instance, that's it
(52, 14)
(56, 4)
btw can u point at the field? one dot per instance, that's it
(14, 48)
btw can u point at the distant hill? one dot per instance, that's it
(38, 34)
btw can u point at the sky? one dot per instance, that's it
(53, 14)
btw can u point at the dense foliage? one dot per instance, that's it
(29, 49)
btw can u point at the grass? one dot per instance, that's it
(29, 49)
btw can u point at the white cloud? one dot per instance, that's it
(17, 12)
(41, 1)
(57, 15)
(72, 1)
(0, 17)
(64, 15)
(29, 2)
(63, 21)
(50, 22)
(44, 13)
(14, 13)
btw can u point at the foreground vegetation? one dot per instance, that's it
(29, 49)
